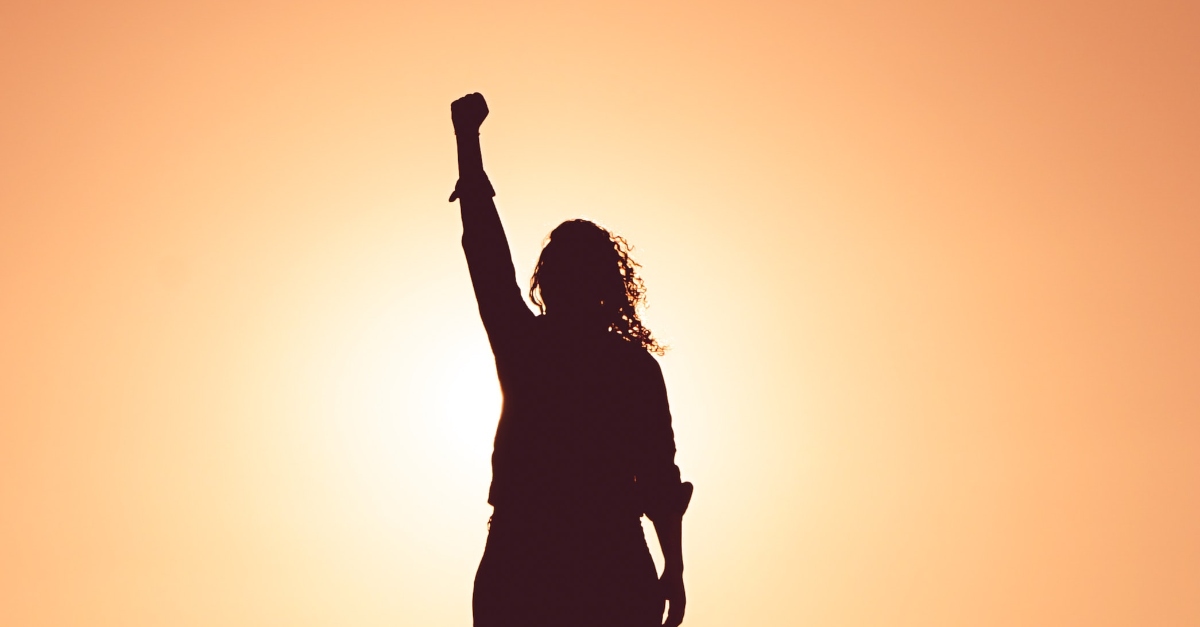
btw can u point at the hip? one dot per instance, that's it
(556, 571)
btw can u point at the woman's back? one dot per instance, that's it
(585, 415)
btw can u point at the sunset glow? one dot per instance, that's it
(928, 273)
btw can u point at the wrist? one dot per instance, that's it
(470, 159)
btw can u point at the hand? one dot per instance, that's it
(671, 584)
(468, 113)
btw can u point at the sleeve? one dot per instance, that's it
(492, 274)
(659, 486)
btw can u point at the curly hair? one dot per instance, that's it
(590, 262)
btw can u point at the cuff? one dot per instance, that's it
(475, 187)
(674, 501)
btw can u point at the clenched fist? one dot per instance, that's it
(468, 113)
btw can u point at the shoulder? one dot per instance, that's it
(639, 359)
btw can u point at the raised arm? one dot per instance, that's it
(488, 257)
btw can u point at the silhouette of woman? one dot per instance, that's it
(584, 445)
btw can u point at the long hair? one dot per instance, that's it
(586, 263)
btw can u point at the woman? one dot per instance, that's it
(584, 445)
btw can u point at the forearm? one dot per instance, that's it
(470, 157)
(669, 529)
(481, 221)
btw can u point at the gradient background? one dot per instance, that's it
(931, 274)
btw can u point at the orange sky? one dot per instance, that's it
(929, 274)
